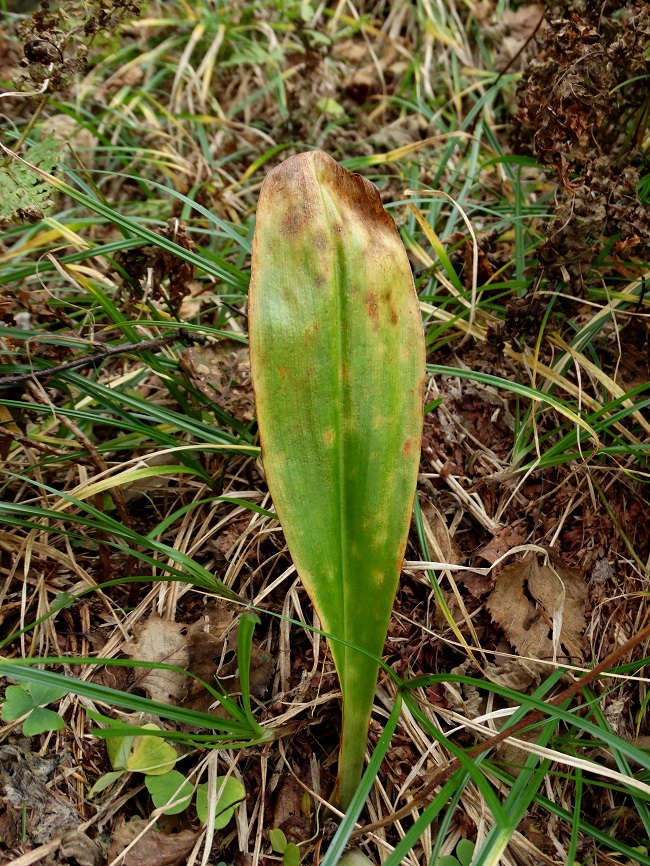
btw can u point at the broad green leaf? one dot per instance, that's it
(170, 787)
(151, 755)
(278, 840)
(337, 355)
(16, 703)
(229, 792)
(119, 749)
(41, 720)
(42, 695)
(291, 855)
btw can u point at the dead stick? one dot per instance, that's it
(441, 776)
(100, 354)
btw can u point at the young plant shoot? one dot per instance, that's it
(337, 356)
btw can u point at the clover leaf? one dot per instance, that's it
(29, 701)
(230, 791)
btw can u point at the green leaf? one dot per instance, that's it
(465, 851)
(40, 720)
(229, 792)
(172, 786)
(104, 782)
(24, 194)
(223, 730)
(337, 355)
(42, 695)
(291, 855)
(244, 644)
(448, 860)
(355, 857)
(119, 749)
(330, 106)
(278, 840)
(151, 755)
(16, 703)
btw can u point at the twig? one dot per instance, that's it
(101, 352)
(444, 773)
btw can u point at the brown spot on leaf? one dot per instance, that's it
(372, 308)
(319, 240)
(407, 447)
(387, 299)
(294, 222)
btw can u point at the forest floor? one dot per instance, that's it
(131, 477)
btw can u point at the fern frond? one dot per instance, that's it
(24, 195)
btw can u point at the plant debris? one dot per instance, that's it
(541, 608)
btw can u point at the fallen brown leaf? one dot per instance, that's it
(503, 541)
(207, 648)
(154, 848)
(76, 849)
(287, 811)
(562, 592)
(515, 674)
(160, 640)
(533, 602)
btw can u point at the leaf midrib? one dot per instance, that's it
(339, 275)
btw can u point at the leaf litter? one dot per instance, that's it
(540, 608)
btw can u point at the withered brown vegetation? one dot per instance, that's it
(583, 111)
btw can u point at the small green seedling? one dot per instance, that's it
(174, 789)
(31, 700)
(290, 852)
(151, 756)
(330, 107)
(170, 790)
(230, 792)
(464, 854)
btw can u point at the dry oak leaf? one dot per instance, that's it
(540, 608)
(154, 848)
(160, 640)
